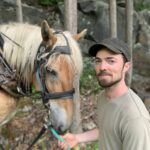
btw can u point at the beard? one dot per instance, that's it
(107, 84)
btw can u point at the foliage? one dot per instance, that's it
(49, 2)
(88, 80)
(141, 6)
(92, 146)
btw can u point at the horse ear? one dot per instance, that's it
(46, 32)
(80, 35)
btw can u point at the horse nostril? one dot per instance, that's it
(60, 129)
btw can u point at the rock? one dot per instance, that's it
(30, 14)
(141, 85)
(147, 103)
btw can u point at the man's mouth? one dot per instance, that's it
(103, 74)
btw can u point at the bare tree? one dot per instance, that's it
(129, 33)
(19, 11)
(113, 18)
(129, 27)
(71, 15)
(71, 25)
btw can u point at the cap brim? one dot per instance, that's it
(93, 49)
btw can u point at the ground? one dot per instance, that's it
(24, 127)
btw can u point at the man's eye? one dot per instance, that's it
(97, 61)
(111, 61)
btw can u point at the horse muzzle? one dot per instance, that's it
(57, 117)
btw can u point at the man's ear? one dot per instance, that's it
(128, 66)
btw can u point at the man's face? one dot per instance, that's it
(110, 68)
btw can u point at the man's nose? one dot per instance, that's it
(102, 66)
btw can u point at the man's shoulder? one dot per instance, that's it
(133, 107)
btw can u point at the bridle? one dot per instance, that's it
(43, 55)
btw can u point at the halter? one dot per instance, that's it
(42, 58)
(43, 55)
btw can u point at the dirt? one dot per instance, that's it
(24, 127)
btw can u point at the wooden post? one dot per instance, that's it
(113, 18)
(19, 11)
(129, 33)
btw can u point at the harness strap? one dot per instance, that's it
(39, 80)
(1, 42)
(10, 39)
(58, 95)
(42, 131)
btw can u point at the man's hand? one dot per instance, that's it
(70, 140)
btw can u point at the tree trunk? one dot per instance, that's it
(71, 25)
(71, 15)
(129, 34)
(113, 18)
(19, 11)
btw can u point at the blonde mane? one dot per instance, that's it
(21, 50)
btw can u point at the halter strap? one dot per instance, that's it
(58, 95)
(9, 39)
(44, 53)
(1, 41)
(42, 58)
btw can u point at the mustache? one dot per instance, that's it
(102, 73)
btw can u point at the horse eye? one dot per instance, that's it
(51, 71)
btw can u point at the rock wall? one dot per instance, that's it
(93, 15)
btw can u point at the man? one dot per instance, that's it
(123, 121)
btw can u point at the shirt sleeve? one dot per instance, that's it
(136, 135)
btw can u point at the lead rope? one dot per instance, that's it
(53, 131)
(48, 125)
(57, 136)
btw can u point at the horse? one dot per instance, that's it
(45, 59)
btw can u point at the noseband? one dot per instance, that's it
(43, 55)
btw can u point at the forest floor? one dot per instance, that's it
(24, 127)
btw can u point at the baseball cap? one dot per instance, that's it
(113, 44)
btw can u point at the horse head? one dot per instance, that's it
(58, 64)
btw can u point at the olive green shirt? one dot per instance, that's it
(124, 123)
